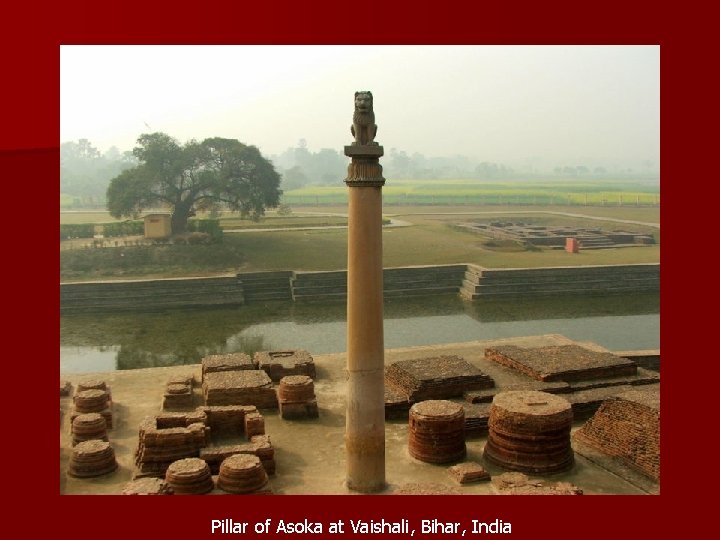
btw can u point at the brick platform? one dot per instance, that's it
(561, 363)
(215, 363)
(160, 446)
(246, 387)
(438, 377)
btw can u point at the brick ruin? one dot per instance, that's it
(147, 486)
(517, 483)
(189, 476)
(465, 473)
(242, 473)
(279, 364)
(86, 427)
(92, 458)
(296, 397)
(584, 376)
(259, 445)
(244, 386)
(169, 437)
(611, 389)
(91, 417)
(215, 363)
(555, 236)
(93, 396)
(236, 378)
(173, 444)
(178, 393)
(161, 443)
(578, 380)
(626, 429)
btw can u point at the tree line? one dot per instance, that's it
(85, 172)
(219, 173)
(300, 166)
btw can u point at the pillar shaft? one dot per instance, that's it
(365, 413)
(365, 418)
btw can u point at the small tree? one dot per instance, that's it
(194, 176)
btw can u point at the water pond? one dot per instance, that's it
(106, 342)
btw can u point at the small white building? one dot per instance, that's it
(158, 225)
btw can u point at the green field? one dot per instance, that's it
(484, 192)
(477, 192)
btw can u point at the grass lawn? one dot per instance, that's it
(649, 214)
(431, 240)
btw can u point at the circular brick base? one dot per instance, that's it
(529, 431)
(437, 431)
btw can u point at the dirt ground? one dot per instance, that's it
(310, 453)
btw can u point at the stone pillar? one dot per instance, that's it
(365, 415)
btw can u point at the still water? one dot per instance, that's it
(106, 342)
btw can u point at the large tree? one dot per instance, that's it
(194, 176)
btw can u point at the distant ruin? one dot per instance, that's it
(554, 237)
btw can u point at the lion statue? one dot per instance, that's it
(363, 127)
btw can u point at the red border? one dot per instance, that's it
(29, 158)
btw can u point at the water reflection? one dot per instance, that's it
(130, 341)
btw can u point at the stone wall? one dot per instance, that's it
(149, 295)
(471, 281)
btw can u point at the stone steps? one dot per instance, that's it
(479, 282)
(596, 284)
(543, 293)
(408, 281)
(577, 272)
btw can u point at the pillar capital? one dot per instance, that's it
(364, 169)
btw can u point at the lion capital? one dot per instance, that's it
(363, 127)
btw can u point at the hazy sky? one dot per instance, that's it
(549, 104)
